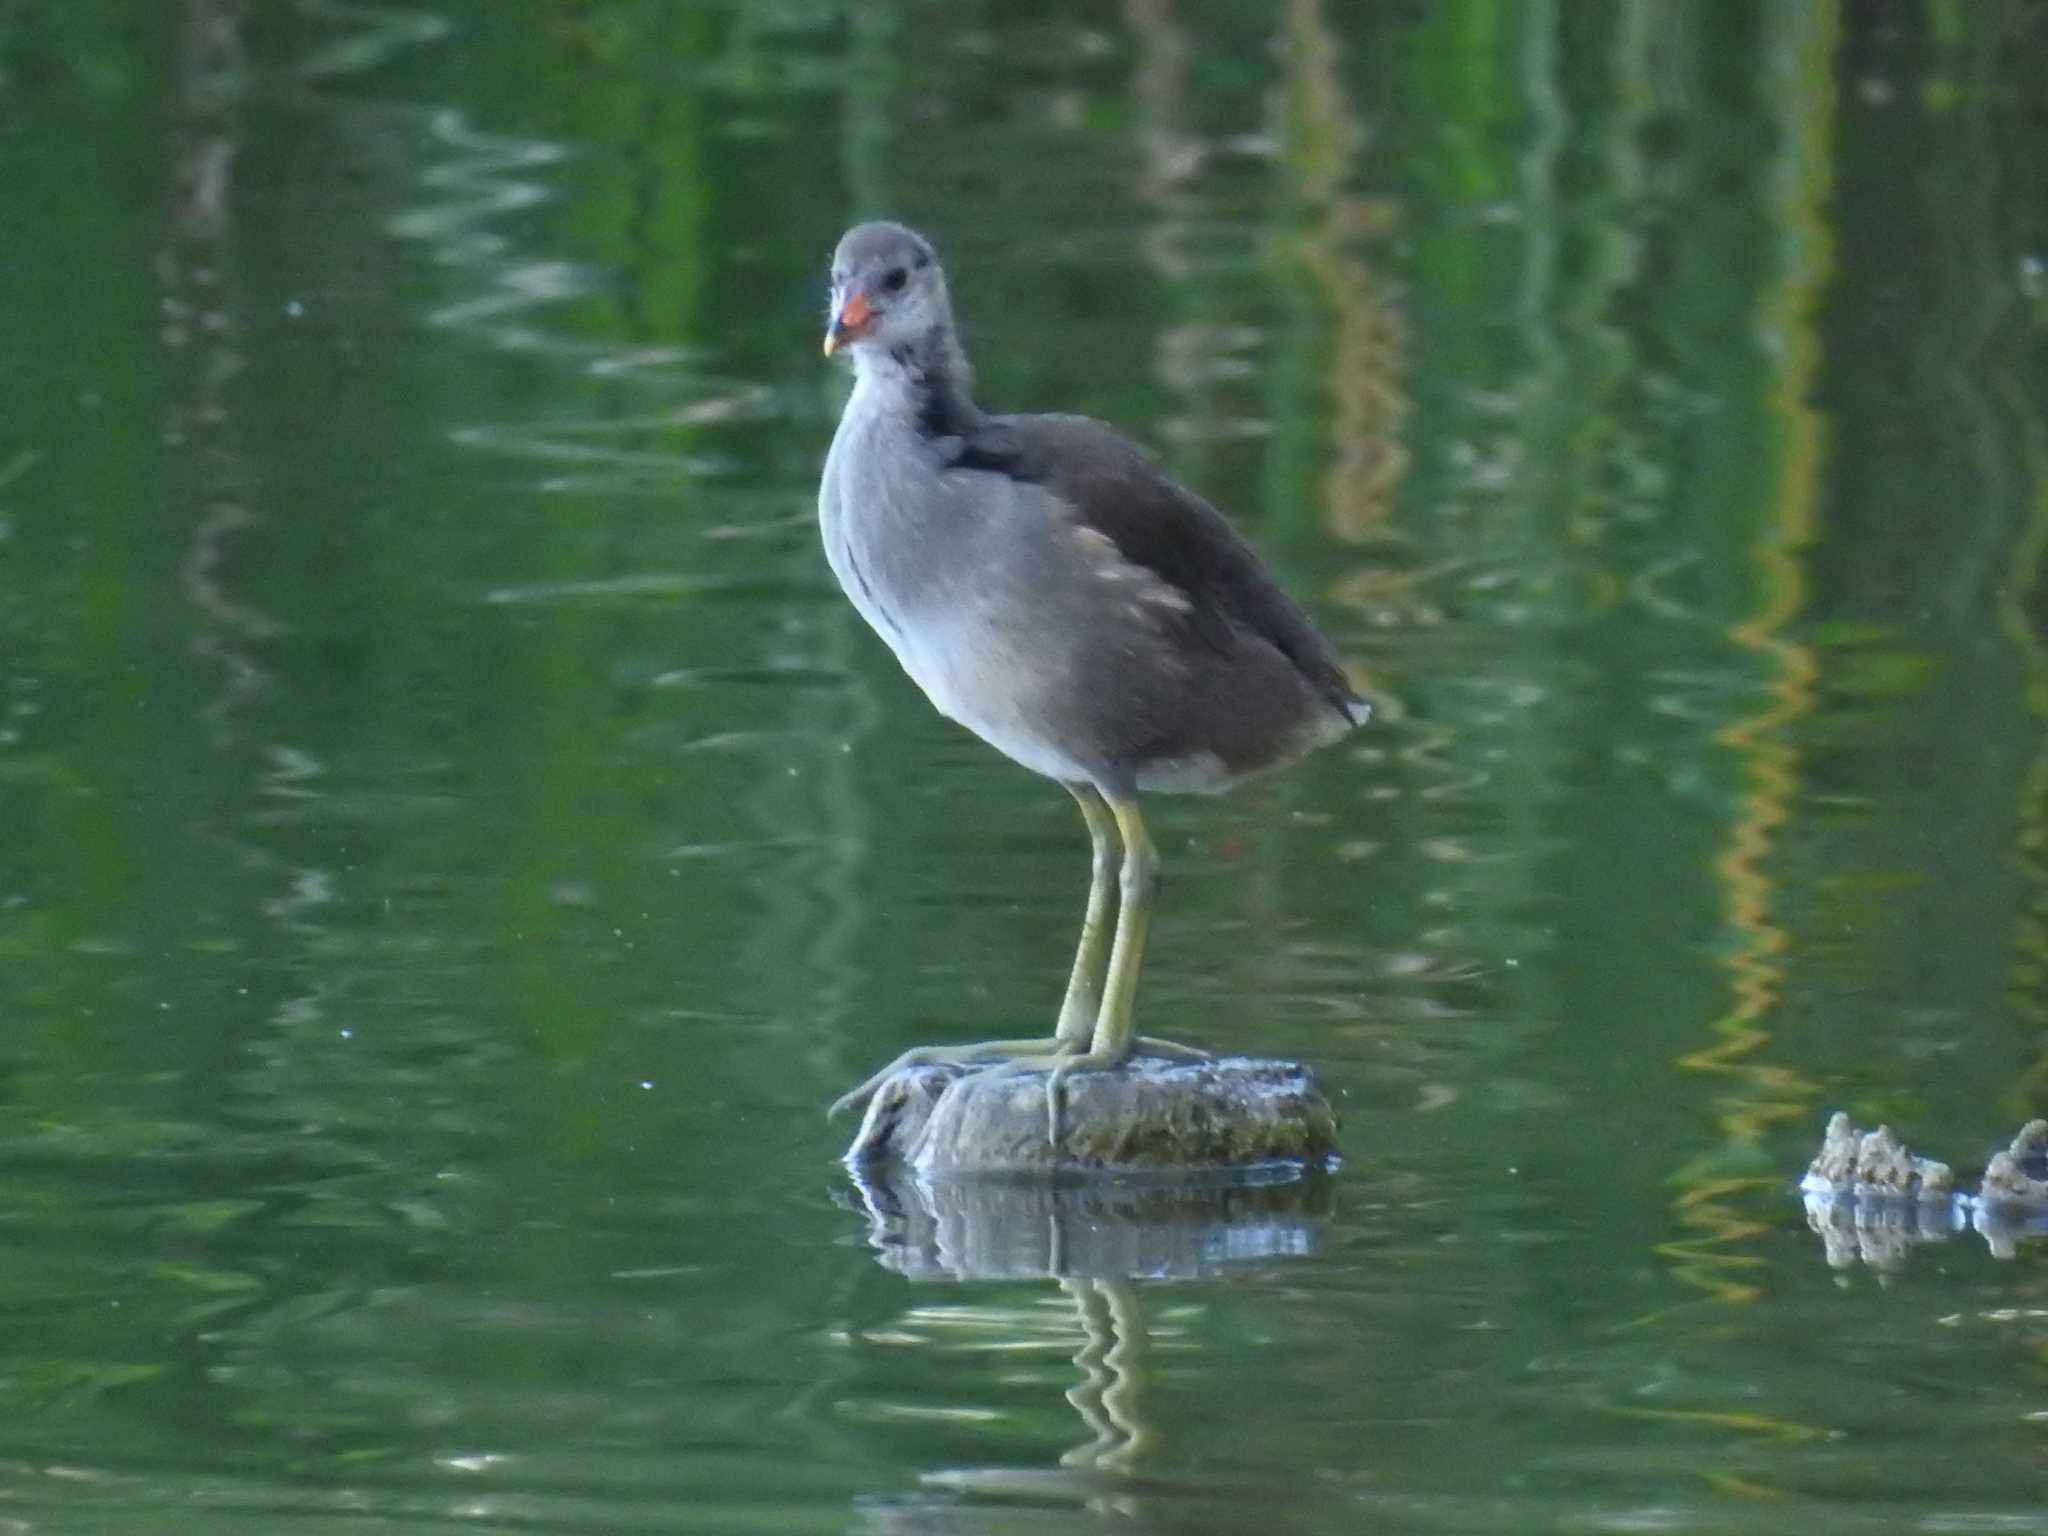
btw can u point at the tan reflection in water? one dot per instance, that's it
(1368, 347)
(1758, 1092)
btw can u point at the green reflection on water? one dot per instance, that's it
(455, 838)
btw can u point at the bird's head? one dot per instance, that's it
(887, 290)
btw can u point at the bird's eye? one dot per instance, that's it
(895, 279)
(924, 259)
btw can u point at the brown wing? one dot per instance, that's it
(1113, 487)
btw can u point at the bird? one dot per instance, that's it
(1052, 590)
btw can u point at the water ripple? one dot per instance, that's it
(486, 179)
(382, 31)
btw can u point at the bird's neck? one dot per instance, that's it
(927, 380)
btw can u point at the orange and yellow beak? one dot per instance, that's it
(850, 321)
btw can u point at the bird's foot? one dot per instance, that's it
(981, 1053)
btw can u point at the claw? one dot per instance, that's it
(1055, 1099)
(857, 1096)
(846, 1101)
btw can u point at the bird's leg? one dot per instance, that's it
(1096, 1031)
(1083, 1002)
(1115, 1028)
(1115, 1032)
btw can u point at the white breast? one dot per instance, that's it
(912, 550)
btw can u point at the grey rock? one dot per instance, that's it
(1874, 1162)
(2014, 1176)
(1148, 1116)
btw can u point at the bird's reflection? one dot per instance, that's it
(1106, 1245)
(1112, 1363)
(1100, 1474)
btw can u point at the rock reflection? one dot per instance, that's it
(989, 1229)
(1880, 1232)
(1875, 1233)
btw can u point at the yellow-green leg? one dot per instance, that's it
(1115, 1034)
(1076, 1027)
(1081, 1012)
(1115, 1024)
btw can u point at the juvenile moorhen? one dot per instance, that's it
(1049, 589)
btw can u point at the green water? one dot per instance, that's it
(454, 838)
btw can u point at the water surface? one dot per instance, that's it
(454, 838)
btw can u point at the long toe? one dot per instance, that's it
(856, 1097)
(912, 1058)
(949, 1055)
(1173, 1050)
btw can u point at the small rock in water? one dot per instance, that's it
(2006, 1176)
(1149, 1115)
(1875, 1162)
(1871, 1201)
